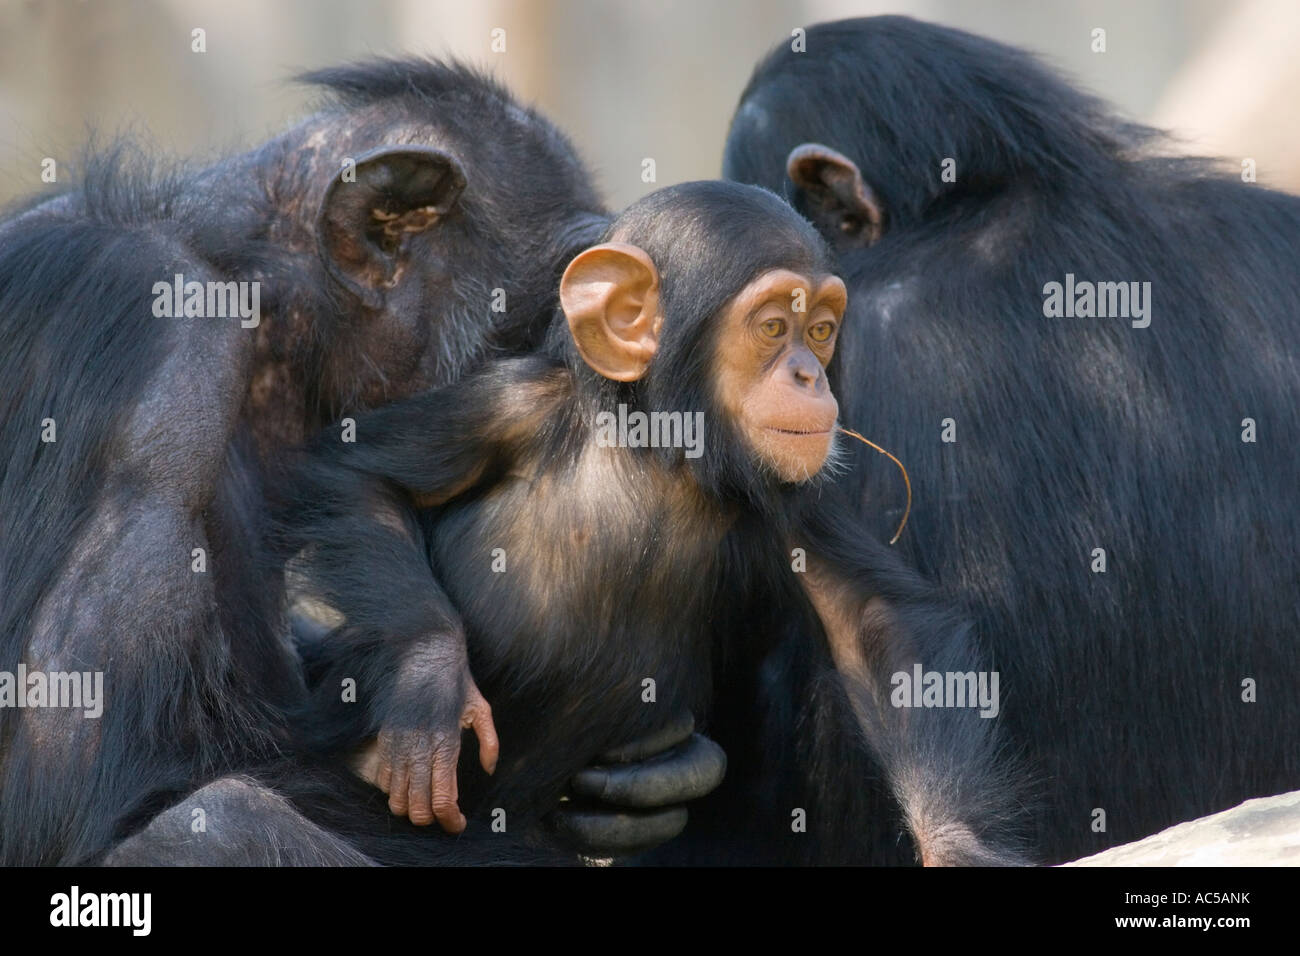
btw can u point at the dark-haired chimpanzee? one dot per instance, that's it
(1112, 490)
(620, 518)
(166, 335)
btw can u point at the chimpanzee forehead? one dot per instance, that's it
(819, 288)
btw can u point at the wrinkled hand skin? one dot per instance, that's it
(631, 800)
(414, 758)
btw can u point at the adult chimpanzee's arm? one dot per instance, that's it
(887, 629)
(400, 652)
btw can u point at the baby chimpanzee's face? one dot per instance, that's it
(732, 272)
(775, 338)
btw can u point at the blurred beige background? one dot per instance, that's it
(628, 80)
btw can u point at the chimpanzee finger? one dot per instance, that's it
(384, 775)
(478, 715)
(419, 786)
(398, 795)
(653, 743)
(444, 791)
(599, 832)
(686, 772)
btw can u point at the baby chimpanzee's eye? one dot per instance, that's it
(821, 332)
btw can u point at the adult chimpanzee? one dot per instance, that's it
(383, 246)
(609, 578)
(1115, 497)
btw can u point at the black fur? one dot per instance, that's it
(645, 564)
(1123, 689)
(169, 429)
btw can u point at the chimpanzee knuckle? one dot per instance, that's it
(416, 744)
(399, 752)
(598, 831)
(420, 816)
(676, 731)
(477, 711)
(446, 747)
(443, 805)
(689, 771)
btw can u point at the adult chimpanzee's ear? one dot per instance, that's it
(610, 295)
(838, 200)
(370, 208)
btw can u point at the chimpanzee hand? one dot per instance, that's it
(631, 800)
(414, 759)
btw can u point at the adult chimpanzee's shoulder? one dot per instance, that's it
(125, 186)
(118, 184)
(1215, 192)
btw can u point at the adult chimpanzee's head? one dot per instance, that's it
(719, 298)
(847, 127)
(442, 213)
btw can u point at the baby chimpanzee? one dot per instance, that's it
(619, 522)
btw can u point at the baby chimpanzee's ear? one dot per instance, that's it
(610, 295)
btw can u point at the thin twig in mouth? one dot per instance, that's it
(906, 480)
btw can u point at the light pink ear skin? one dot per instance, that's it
(610, 297)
